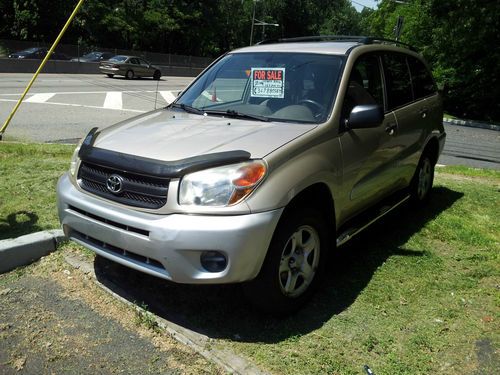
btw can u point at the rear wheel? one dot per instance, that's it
(110, 75)
(157, 75)
(129, 74)
(421, 185)
(293, 265)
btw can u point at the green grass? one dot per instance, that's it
(28, 177)
(417, 293)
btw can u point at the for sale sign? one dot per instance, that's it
(268, 82)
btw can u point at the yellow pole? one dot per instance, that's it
(54, 45)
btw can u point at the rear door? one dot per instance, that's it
(405, 94)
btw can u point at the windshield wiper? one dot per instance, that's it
(187, 108)
(236, 114)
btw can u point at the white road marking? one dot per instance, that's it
(168, 96)
(113, 100)
(81, 106)
(440, 165)
(91, 92)
(40, 98)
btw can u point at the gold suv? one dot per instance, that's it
(276, 154)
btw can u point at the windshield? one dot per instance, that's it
(118, 58)
(31, 50)
(290, 87)
(92, 55)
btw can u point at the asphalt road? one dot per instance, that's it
(64, 107)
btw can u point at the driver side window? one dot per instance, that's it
(365, 84)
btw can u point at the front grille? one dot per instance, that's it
(103, 246)
(127, 228)
(137, 190)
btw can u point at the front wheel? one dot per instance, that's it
(156, 75)
(421, 184)
(293, 265)
(129, 74)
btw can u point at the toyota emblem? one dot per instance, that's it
(114, 184)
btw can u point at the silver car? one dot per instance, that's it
(130, 67)
(275, 155)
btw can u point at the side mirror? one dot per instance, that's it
(365, 116)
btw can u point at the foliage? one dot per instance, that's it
(458, 37)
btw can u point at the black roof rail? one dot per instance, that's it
(337, 38)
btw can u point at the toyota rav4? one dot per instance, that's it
(274, 155)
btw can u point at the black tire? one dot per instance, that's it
(157, 75)
(110, 75)
(285, 264)
(421, 184)
(130, 74)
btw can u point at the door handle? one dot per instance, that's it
(423, 112)
(391, 129)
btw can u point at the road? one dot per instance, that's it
(64, 107)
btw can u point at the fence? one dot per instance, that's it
(165, 59)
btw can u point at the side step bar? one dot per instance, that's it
(353, 230)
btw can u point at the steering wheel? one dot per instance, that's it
(319, 107)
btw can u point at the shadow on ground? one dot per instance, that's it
(18, 223)
(222, 311)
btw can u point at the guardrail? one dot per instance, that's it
(74, 67)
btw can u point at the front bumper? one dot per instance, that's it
(167, 246)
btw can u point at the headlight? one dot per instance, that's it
(74, 158)
(221, 186)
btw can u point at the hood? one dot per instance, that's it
(171, 135)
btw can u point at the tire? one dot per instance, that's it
(294, 263)
(157, 75)
(421, 184)
(110, 75)
(129, 75)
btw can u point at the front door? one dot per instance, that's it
(369, 155)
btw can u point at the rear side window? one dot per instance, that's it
(399, 90)
(423, 84)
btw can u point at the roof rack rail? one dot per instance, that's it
(337, 38)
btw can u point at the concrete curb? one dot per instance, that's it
(15, 252)
(471, 124)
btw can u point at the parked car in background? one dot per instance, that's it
(94, 56)
(275, 155)
(130, 67)
(37, 53)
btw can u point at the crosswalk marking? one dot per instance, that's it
(140, 100)
(40, 98)
(113, 100)
(168, 96)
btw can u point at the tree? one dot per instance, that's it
(459, 38)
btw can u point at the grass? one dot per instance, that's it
(28, 177)
(417, 293)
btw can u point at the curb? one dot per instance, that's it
(471, 124)
(225, 358)
(20, 251)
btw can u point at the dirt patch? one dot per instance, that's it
(55, 320)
